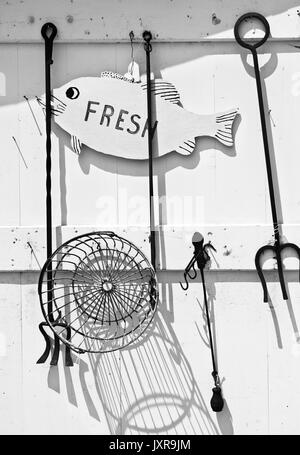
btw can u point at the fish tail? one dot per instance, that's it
(224, 122)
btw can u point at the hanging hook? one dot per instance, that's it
(200, 256)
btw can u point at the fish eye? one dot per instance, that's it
(72, 93)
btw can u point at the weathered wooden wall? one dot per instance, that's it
(163, 386)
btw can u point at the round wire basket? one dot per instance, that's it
(101, 288)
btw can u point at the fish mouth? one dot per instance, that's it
(57, 105)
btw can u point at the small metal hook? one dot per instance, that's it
(147, 35)
(194, 274)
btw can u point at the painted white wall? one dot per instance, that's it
(164, 385)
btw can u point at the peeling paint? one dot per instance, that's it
(227, 251)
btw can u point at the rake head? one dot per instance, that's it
(277, 249)
(104, 292)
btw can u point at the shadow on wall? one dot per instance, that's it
(154, 384)
(138, 168)
(149, 387)
(146, 389)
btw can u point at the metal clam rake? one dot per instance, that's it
(103, 292)
(278, 247)
(98, 291)
(201, 258)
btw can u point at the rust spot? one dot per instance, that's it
(215, 20)
(69, 19)
(227, 251)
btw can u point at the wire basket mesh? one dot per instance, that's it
(101, 287)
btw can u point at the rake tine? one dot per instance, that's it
(280, 271)
(259, 269)
(46, 353)
(294, 247)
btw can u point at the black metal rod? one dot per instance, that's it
(253, 49)
(48, 32)
(213, 359)
(148, 48)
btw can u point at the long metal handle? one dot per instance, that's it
(48, 32)
(148, 48)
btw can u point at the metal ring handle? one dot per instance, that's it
(260, 42)
(49, 31)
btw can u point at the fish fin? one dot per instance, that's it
(224, 124)
(76, 144)
(112, 75)
(164, 89)
(187, 147)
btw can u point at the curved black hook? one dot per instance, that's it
(49, 31)
(186, 286)
(187, 273)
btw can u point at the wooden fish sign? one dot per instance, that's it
(109, 114)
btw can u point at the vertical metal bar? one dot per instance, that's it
(215, 371)
(49, 32)
(148, 48)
